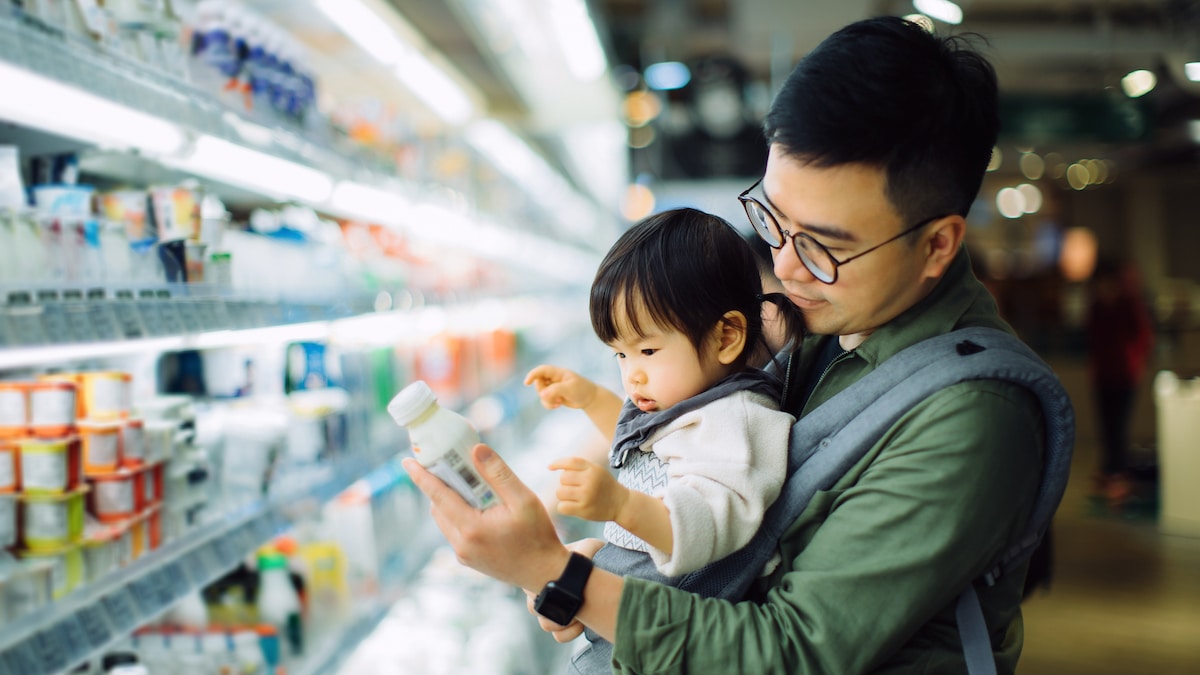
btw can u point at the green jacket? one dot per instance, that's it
(872, 568)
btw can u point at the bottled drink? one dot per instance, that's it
(278, 603)
(442, 442)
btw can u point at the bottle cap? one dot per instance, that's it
(411, 402)
(271, 561)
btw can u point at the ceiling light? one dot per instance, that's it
(42, 103)
(1192, 70)
(667, 75)
(229, 163)
(577, 38)
(428, 82)
(1138, 83)
(434, 87)
(365, 28)
(942, 10)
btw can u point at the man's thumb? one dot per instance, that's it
(496, 471)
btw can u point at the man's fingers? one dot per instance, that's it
(500, 476)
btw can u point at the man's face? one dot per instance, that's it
(844, 208)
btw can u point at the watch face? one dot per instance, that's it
(557, 604)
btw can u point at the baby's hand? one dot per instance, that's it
(559, 386)
(587, 490)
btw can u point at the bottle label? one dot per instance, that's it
(458, 473)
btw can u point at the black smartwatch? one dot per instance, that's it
(561, 599)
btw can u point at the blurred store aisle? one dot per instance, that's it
(1125, 598)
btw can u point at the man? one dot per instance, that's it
(878, 144)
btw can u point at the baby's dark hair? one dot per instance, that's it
(686, 268)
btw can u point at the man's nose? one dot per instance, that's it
(788, 266)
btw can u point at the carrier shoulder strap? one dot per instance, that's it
(826, 445)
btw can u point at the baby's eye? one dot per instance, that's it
(619, 355)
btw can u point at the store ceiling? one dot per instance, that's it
(1048, 54)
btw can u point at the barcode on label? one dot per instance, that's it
(460, 467)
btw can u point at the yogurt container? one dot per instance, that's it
(101, 549)
(67, 567)
(14, 409)
(101, 443)
(8, 521)
(116, 496)
(52, 410)
(49, 465)
(106, 395)
(50, 521)
(10, 465)
(133, 442)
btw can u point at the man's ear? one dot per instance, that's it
(943, 239)
(731, 332)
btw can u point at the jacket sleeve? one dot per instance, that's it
(726, 464)
(869, 562)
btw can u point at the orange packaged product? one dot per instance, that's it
(52, 411)
(14, 409)
(152, 484)
(102, 445)
(105, 394)
(10, 465)
(133, 442)
(116, 496)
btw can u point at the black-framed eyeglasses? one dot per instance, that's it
(812, 253)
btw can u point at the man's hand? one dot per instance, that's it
(558, 387)
(587, 490)
(513, 541)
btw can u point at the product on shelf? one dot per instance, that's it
(10, 467)
(51, 521)
(67, 566)
(278, 603)
(52, 407)
(50, 465)
(102, 445)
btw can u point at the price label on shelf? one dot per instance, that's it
(264, 527)
(214, 562)
(146, 594)
(104, 320)
(79, 322)
(94, 625)
(171, 321)
(213, 315)
(194, 567)
(121, 609)
(25, 324)
(73, 640)
(129, 320)
(54, 323)
(6, 337)
(22, 659)
(151, 315)
(51, 650)
(189, 317)
(225, 552)
(173, 583)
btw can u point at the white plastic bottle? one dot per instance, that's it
(442, 442)
(278, 603)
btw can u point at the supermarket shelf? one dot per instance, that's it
(336, 646)
(85, 623)
(80, 62)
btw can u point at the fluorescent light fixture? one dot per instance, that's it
(428, 82)
(363, 26)
(37, 101)
(1192, 70)
(434, 87)
(377, 205)
(572, 26)
(221, 160)
(667, 75)
(512, 156)
(942, 10)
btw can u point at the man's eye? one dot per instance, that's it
(648, 352)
